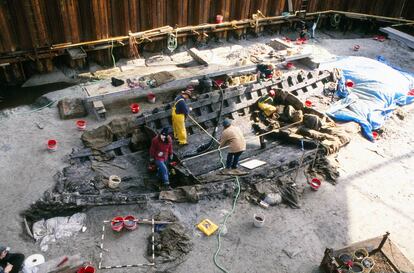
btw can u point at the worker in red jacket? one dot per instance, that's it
(161, 150)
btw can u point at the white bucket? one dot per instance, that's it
(258, 220)
(114, 181)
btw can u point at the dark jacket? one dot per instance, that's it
(161, 150)
(181, 107)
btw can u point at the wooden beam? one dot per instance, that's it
(162, 32)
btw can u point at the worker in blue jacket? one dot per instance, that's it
(180, 110)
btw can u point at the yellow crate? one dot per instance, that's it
(207, 227)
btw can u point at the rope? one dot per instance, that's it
(216, 263)
(205, 131)
(133, 49)
(112, 52)
(335, 20)
(172, 41)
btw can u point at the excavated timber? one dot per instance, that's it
(199, 172)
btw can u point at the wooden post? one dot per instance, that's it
(7, 42)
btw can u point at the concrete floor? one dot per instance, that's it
(375, 192)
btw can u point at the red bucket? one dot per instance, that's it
(308, 103)
(52, 145)
(81, 124)
(86, 269)
(349, 83)
(315, 184)
(219, 19)
(134, 108)
(289, 65)
(130, 222)
(117, 224)
(379, 38)
(151, 97)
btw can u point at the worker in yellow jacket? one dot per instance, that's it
(180, 110)
(266, 103)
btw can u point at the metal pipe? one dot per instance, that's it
(188, 31)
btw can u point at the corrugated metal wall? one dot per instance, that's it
(28, 24)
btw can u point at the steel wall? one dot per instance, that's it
(29, 24)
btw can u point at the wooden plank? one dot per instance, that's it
(65, 18)
(279, 44)
(114, 145)
(6, 40)
(399, 36)
(105, 15)
(211, 71)
(395, 255)
(40, 21)
(389, 249)
(290, 6)
(96, 28)
(72, 8)
(197, 55)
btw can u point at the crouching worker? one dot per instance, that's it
(180, 110)
(266, 103)
(10, 262)
(161, 150)
(233, 137)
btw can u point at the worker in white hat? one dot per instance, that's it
(233, 137)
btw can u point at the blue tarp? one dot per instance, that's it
(378, 90)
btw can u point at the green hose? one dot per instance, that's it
(235, 198)
(37, 109)
(225, 220)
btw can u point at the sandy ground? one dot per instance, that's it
(375, 193)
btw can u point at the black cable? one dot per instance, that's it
(207, 146)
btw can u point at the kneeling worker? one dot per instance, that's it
(266, 103)
(161, 150)
(233, 137)
(180, 111)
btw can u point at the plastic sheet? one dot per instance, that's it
(378, 90)
(47, 231)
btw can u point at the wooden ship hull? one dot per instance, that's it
(82, 184)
